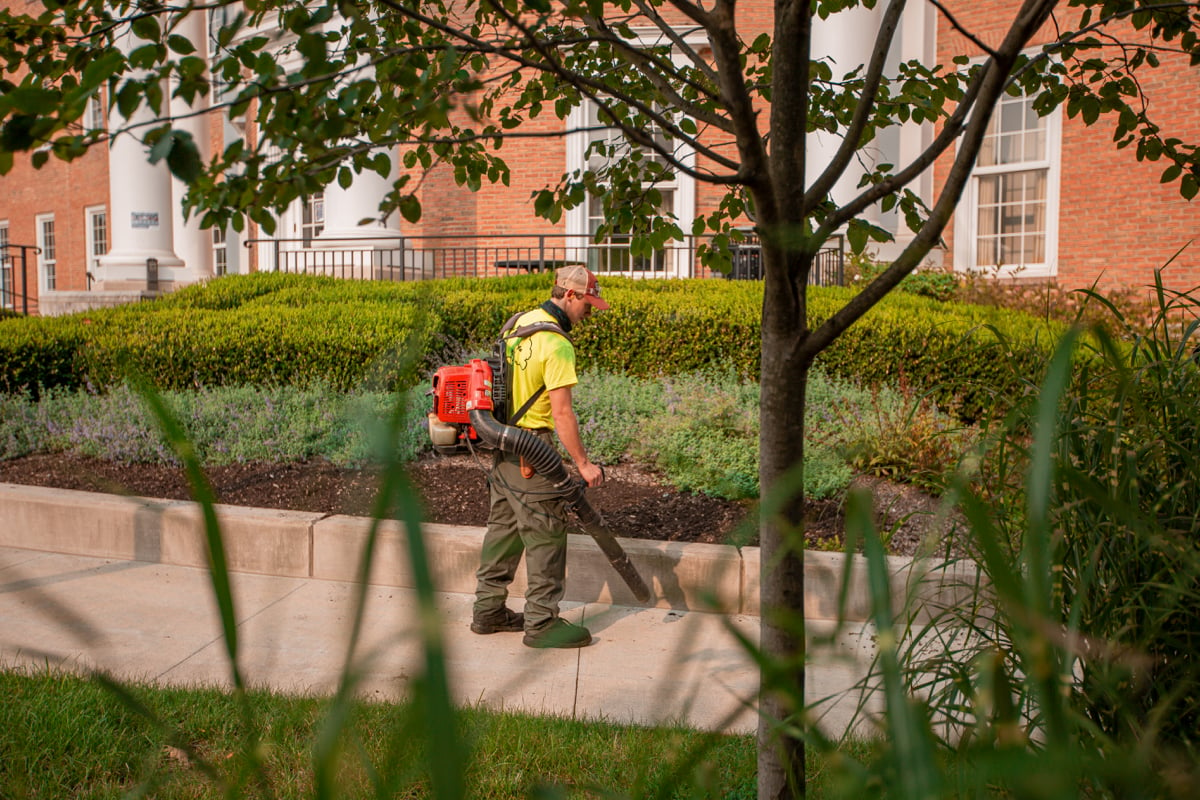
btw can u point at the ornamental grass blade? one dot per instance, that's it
(912, 743)
(202, 493)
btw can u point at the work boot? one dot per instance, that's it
(503, 620)
(559, 633)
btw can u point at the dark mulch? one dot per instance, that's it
(635, 502)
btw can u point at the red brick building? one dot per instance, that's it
(1077, 208)
(1051, 199)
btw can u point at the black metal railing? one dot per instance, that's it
(14, 265)
(403, 258)
(828, 269)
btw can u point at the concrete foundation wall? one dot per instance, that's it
(701, 577)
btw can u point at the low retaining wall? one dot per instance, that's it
(329, 547)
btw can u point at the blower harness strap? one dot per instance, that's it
(502, 366)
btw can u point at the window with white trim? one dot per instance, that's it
(312, 217)
(96, 225)
(6, 286)
(678, 194)
(1007, 222)
(93, 115)
(220, 252)
(613, 254)
(48, 256)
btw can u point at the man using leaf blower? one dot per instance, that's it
(528, 513)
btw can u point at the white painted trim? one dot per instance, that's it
(42, 261)
(685, 185)
(93, 258)
(966, 216)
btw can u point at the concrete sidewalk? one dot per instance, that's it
(159, 622)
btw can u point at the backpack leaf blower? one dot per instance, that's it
(464, 401)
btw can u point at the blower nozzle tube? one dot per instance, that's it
(546, 462)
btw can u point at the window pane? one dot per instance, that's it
(1011, 219)
(99, 233)
(312, 217)
(1017, 135)
(1012, 114)
(48, 246)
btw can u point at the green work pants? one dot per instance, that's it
(527, 516)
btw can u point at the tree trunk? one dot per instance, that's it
(783, 385)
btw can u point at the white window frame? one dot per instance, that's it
(966, 217)
(47, 257)
(7, 298)
(220, 251)
(93, 115)
(96, 246)
(310, 215)
(679, 260)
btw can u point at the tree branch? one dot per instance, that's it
(954, 23)
(993, 82)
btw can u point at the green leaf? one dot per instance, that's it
(542, 202)
(145, 56)
(17, 133)
(382, 164)
(184, 158)
(161, 147)
(410, 208)
(345, 177)
(147, 28)
(129, 97)
(33, 99)
(1189, 186)
(1091, 110)
(857, 235)
(101, 69)
(180, 44)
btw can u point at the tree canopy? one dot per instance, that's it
(726, 91)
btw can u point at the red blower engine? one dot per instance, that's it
(464, 403)
(456, 392)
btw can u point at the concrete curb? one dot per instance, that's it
(702, 577)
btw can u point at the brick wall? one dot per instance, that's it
(1117, 222)
(64, 190)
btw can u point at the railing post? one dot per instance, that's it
(25, 279)
(541, 252)
(277, 252)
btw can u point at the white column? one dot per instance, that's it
(918, 41)
(344, 208)
(141, 219)
(192, 244)
(846, 40)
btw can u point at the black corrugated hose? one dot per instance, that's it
(546, 462)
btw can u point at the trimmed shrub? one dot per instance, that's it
(272, 329)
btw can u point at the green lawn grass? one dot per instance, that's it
(68, 736)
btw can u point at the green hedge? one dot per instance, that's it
(968, 358)
(271, 329)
